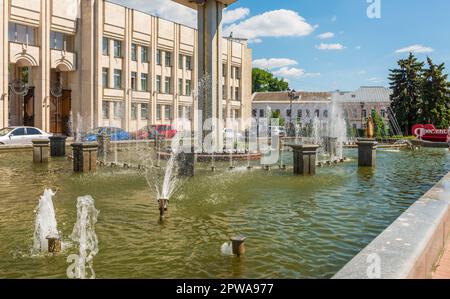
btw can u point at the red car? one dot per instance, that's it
(168, 131)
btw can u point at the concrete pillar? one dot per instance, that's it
(4, 61)
(41, 150)
(305, 159)
(367, 152)
(85, 156)
(104, 144)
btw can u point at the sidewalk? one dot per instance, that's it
(443, 267)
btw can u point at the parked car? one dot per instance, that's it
(21, 135)
(117, 134)
(148, 133)
(167, 131)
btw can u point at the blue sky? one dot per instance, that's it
(321, 45)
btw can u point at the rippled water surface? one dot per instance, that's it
(296, 227)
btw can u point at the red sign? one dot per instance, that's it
(430, 133)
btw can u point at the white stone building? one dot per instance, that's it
(62, 61)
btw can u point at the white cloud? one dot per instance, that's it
(415, 49)
(336, 47)
(287, 72)
(326, 35)
(273, 63)
(375, 80)
(233, 15)
(275, 23)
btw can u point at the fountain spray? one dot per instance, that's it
(46, 235)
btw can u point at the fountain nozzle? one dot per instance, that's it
(238, 245)
(163, 205)
(54, 243)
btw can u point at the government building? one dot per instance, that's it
(68, 64)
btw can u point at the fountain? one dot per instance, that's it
(84, 234)
(46, 235)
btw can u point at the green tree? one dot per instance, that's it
(380, 128)
(276, 114)
(435, 104)
(406, 84)
(264, 81)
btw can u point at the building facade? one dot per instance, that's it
(355, 105)
(303, 108)
(359, 104)
(68, 64)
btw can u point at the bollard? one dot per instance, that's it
(367, 152)
(104, 144)
(41, 150)
(238, 245)
(304, 158)
(85, 156)
(58, 146)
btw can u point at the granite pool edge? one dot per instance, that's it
(410, 247)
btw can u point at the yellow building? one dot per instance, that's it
(63, 61)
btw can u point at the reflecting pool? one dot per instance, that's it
(296, 227)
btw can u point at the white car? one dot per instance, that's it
(21, 135)
(230, 134)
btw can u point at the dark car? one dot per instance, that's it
(117, 134)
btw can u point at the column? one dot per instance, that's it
(4, 46)
(305, 159)
(367, 152)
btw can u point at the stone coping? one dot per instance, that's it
(409, 247)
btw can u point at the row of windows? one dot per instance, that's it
(24, 34)
(118, 111)
(235, 72)
(262, 113)
(235, 93)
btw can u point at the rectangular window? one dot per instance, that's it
(364, 113)
(299, 113)
(167, 112)
(158, 57)
(288, 113)
(133, 80)
(317, 113)
(105, 109)
(117, 49)
(144, 82)
(144, 111)
(383, 113)
(168, 61)
(158, 112)
(105, 77)
(237, 96)
(167, 84)
(254, 112)
(118, 110)
(231, 93)
(133, 52)
(238, 73)
(180, 86)
(56, 40)
(188, 88)
(180, 61)
(158, 84)
(117, 79)
(224, 92)
(232, 72)
(224, 70)
(189, 63)
(308, 113)
(105, 46)
(180, 112)
(22, 34)
(134, 110)
(262, 113)
(325, 113)
(144, 54)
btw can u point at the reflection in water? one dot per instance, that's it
(296, 227)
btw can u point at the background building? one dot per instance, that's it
(305, 107)
(359, 104)
(68, 64)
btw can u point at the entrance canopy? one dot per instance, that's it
(193, 3)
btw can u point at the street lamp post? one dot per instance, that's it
(292, 96)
